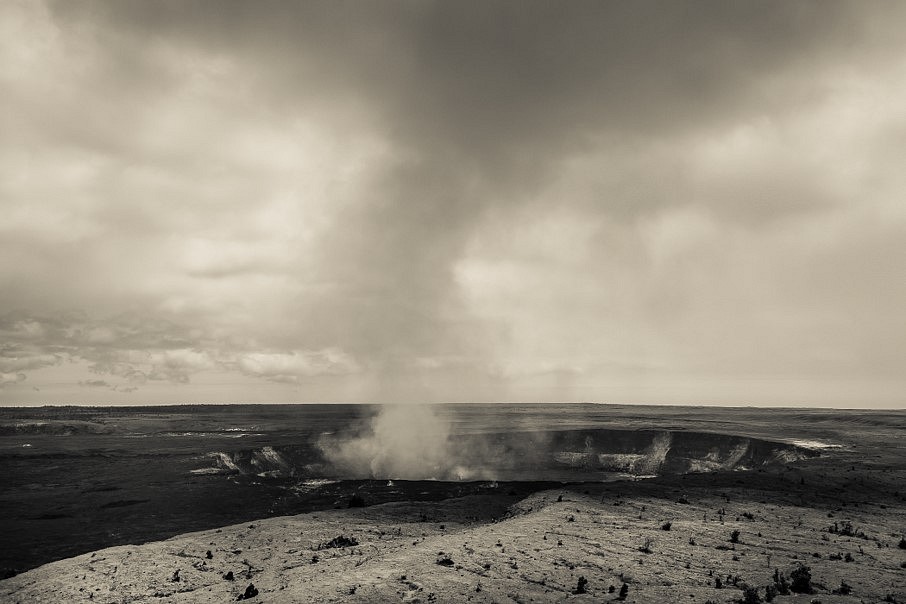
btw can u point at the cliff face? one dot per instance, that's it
(565, 455)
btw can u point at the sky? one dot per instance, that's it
(416, 201)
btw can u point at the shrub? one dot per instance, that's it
(580, 586)
(734, 537)
(844, 589)
(845, 529)
(750, 595)
(801, 580)
(666, 526)
(902, 544)
(770, 592)
(339, 541)
(624, 591)
(780, 583)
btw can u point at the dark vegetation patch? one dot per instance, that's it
(338, 542)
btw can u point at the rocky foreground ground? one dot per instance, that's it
(695, 538)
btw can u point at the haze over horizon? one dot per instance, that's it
(628, 202)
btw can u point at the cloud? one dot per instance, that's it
(15, 358)
(94, 384)
(292, 366)
(11, 378)
(139, 366)
(447, 200)
(140, 352)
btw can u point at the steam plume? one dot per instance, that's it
(410, 442)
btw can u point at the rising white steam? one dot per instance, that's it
(410, 442)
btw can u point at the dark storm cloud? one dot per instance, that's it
(514, 83)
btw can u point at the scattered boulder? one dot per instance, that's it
(250, 592)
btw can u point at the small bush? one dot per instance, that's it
(666, 526)
(750, 595)
(624, 591)
(734, 537)
(844, 589)
(339, 541)
(770, 592)
(581, 586)
(780, 583)
(801, 580)
(845, 529)
(902, 544)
